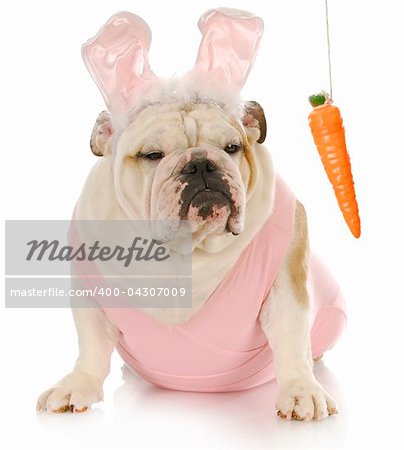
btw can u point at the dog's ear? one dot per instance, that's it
(254, 118)
(102, 133)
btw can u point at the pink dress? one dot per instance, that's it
(222, 347)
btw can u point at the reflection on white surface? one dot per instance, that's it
(245, 418)
(140, 413)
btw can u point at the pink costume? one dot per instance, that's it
(222, 347)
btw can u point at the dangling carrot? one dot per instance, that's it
(329, 136)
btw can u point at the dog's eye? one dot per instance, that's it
(232, 148)
(154, 155)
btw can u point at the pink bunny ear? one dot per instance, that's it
(229, 45)
(117, 59)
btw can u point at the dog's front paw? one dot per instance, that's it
(75, 392)
(304, 399)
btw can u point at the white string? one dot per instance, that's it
(328, 47)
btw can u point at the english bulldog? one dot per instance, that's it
(191, 149)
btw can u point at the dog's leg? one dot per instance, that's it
(83, 386)
(285, 320)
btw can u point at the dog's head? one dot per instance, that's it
(180, 149)
(192, 163)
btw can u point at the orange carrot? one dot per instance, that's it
(329, 136)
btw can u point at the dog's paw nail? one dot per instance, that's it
(297, 417)
(286, 416)
(62, 409)
(332, 411)
(79, 410)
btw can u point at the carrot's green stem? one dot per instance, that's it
(319, 99)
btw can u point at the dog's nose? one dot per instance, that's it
(198, 166)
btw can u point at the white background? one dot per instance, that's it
(49, 105)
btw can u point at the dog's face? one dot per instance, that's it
(184, 163)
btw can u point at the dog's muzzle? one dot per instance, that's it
(207, 189)
(202, 186)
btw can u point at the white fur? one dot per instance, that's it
(191, 88)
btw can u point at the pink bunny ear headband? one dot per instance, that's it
(117, 59)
